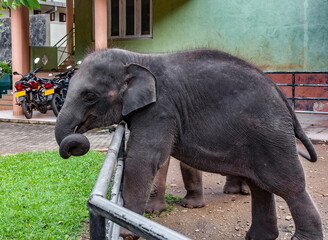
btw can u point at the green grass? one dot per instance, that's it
(43, 196)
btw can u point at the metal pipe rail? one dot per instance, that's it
(102, 209)
(294, 85)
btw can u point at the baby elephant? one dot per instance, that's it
(208, 109)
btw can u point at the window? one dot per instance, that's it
(62, 17)
(52, 16)
(37, 11)
(130, 19)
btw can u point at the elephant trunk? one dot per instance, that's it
(70, 143)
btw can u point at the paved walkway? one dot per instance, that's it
(17, 136)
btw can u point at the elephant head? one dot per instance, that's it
(104, 90)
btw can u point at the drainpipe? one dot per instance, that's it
(101, 21)
(20, 40)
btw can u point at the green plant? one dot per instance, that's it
(5, 68)
(31, 4)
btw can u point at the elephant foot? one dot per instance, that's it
(193, 201)
(309, 237)
(155, 206)
(260, 234)
(236, 185)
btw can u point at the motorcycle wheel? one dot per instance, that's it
(56, 103)
(43, 108)
(27, 108)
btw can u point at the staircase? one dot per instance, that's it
(63, 66)
(6, 101)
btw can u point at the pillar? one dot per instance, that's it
(69, 24)
(101, 21)
(20, 40)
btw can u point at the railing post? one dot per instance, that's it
(293, 91)
(97, 226)
(102, 209)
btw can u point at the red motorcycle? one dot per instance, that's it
(33, 92)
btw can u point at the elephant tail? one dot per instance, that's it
(300, 134)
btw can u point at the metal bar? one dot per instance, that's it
(302, 85)
(97, 226)
(293, 91)
(115, 232)
(308, 98)
(115, 192)
(116, 227)
(103, 180)
(132, 221)
(117, 181)
(98, 222)
(297, 72)
(314, 112)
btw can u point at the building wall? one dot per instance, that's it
(43, 32)
(39, 30)
(83, 28)
(39, 34)
(273, 34)
(5, 40)
(57, 31)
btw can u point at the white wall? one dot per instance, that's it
(57, 31)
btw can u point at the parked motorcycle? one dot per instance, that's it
(33, 92)
(61, 82)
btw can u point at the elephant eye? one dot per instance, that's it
(90, 97)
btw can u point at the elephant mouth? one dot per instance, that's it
(86, 125)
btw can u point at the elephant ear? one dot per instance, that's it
(140, 90)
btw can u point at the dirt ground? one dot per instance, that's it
(228, 217)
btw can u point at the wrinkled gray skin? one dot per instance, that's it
(210, 110)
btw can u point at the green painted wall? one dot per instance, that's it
(47, 54)
(273, 34)
(83, 27)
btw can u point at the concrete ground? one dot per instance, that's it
(224, 216)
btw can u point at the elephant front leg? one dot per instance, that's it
(156, 202)
(137, 184)
(147, 151)
(192, 179)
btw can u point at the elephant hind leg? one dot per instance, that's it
(306, 217)
(264, 218)
(192, 179)
(288, 182)
(236, 185)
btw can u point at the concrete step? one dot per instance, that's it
(7, 97)
(6, 101)
(6, 107)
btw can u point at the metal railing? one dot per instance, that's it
(65, 47)
(101, 208)
(294, 85)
